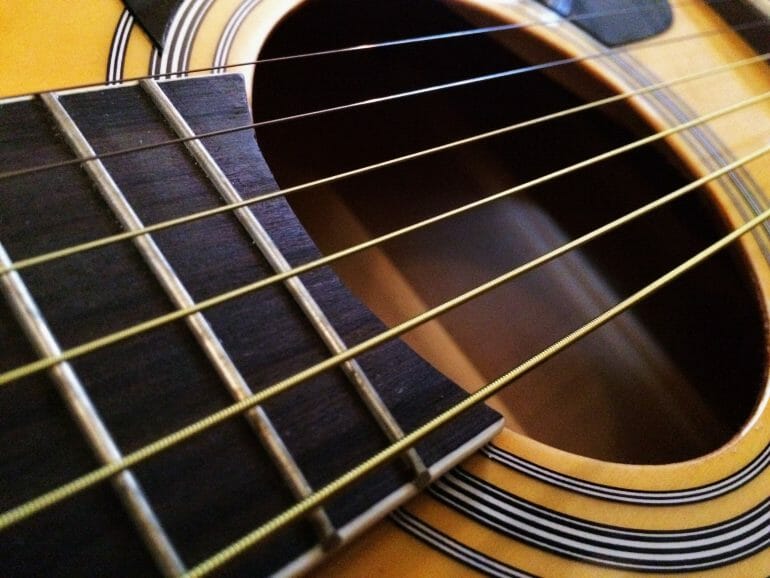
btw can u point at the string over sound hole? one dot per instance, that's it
(671, 380)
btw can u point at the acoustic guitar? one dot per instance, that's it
(384, 288)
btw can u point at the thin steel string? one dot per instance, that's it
(388, 98)
(150, 324)
(148, 229)
(236, 548)
(67, 490)
(395, 449)
(376, 45)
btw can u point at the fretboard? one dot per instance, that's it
(185, 504)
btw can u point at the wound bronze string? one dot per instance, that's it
(63, 492)
(228, 207)
(82, 483)
(395, 449)
(143, 327)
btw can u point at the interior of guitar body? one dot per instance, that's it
(670, 380)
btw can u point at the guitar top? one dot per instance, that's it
(432, 288)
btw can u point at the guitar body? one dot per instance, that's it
(544, 498)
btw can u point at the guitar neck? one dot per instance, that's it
(279, 451)
(189, 382)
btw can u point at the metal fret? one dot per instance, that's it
(197, 323)
(296, 287)
(79, 403)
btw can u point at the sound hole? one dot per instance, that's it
(671, 380)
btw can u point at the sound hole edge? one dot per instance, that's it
(636, 391)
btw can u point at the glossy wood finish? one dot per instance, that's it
(742, 460)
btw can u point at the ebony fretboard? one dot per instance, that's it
(220, 485)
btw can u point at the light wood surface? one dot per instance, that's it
(46, 47)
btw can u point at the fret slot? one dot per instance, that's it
(202, 331)
(299, 292)
(91, 425)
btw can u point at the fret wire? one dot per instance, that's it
(90, 423)
(139, 328)
(192, 217)
(362, 47)
(197, 323)
(382, 457)
(299, 292)
(288, 468)
(6, 263)
(67, 490)
(435, 88)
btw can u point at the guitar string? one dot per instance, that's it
(388, 98)
(733, 167)
(489, 29)
(238, 547)
(379, 45)
(228, 207)
(50, 498)
(396, 448)
(148, 325)
(252, 538)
